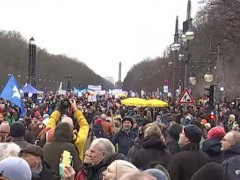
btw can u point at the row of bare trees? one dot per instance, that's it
(50, 69)
(217, 22)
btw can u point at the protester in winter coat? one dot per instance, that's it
(212, 145)
(152, 149)
(100, 155)
(79, 136)
(125, 137)
(33, 154)
(185, 163)
(173, 137)
(28, 136)
(17, 132)
(61, 141)
(231, 155)
(35, 127)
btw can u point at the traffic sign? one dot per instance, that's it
(186, 98)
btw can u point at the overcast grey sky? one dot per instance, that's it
(99, 33)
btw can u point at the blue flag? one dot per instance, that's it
(11, 93)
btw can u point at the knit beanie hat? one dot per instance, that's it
(175, 130)
(17, 129)
(217, 132)
(210, 171)
(128, 118)
(4, 127)
(15, 168)
(193, 133)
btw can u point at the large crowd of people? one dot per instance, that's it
(109, 141)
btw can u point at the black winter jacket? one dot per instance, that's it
(152, 151)
(231, 163)
(95, 172)
(124, 140)
(185, 163)
(213, 148)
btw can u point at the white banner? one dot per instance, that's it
(95, 88)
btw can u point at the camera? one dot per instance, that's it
(65, 103)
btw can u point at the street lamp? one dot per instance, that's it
(188, 34)
(175, 47)
(208, 78)
(32, 62)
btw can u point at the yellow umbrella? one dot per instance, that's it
(134, 102)
(122, 95)
(156, 103)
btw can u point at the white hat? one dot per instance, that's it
(45, 121)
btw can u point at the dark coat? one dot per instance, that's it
(152, 150)
(124, 140)
(213, 148)
(231, 163)
(20, 141)
(185, 163)
(95, 172)
(46, 173)
(172, 145)
(210, 171)
(61, 141)
(136, 146)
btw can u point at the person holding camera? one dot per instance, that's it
(79, 135)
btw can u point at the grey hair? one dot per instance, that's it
(104, 145)
(9, 150)
(235, 136)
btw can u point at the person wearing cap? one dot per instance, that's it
(212, 145)
(33, 154)
(190, 158)
(15, 168)
(125, 137)
(17, 133)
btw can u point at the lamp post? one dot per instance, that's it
(187, 36)
(175, 47)
(32, 62)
